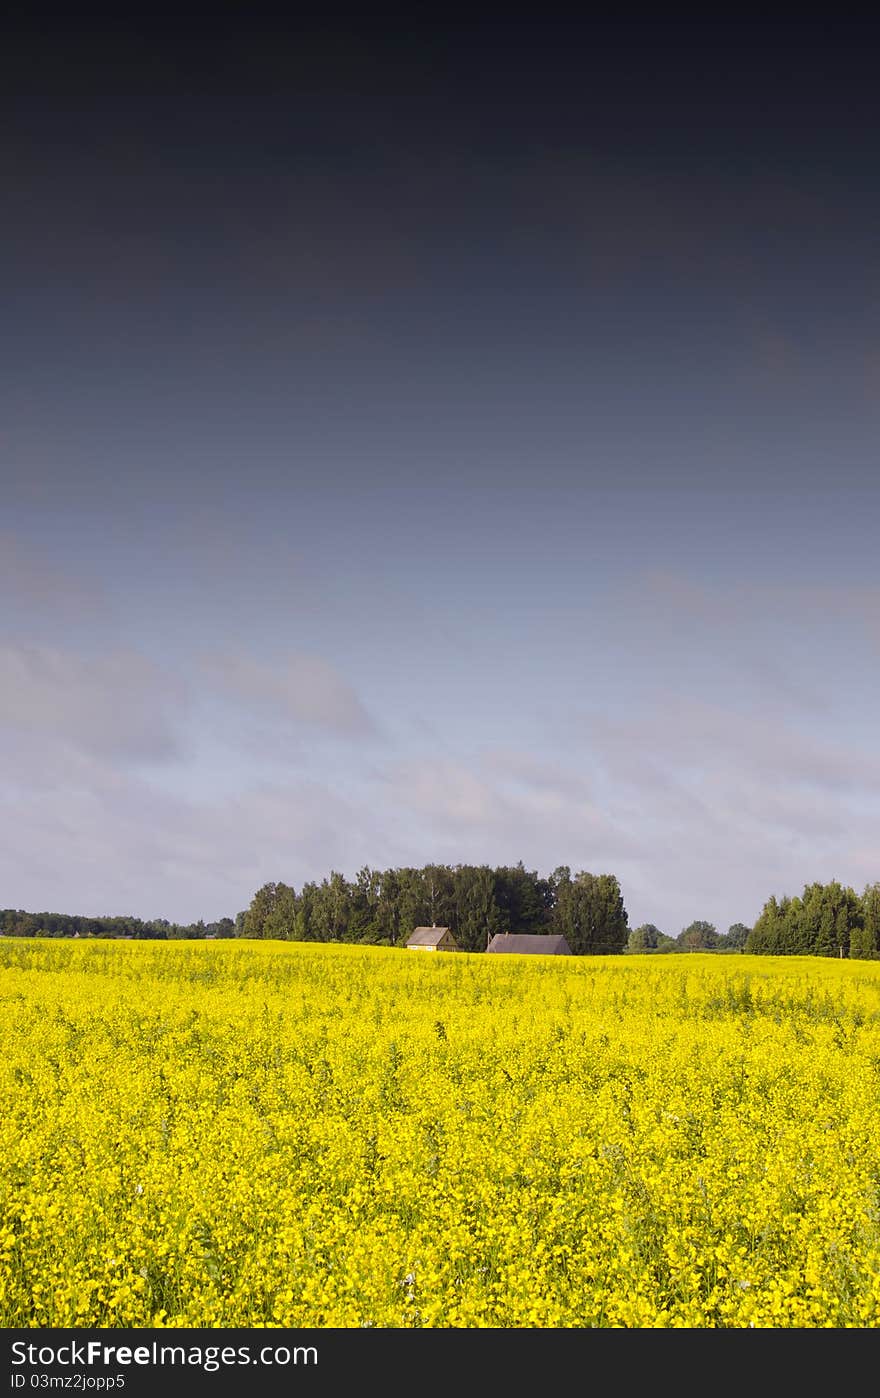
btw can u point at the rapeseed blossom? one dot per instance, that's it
(299, 1135)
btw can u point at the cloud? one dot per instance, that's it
(30, 581)
(702, 809)
(683, 735)
(525, 770)
(93, 835)
(773, 644)
(305, 689)
(107, 843)
(483, 811)
(118, 705)
(731, 806)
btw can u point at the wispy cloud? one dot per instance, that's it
(112, 843)
(119, 704)
(537, 774)
(300, 688)
(502, 805)
(731, 806)
(682, 736)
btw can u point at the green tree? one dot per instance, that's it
(363, 922)
(523, 899)
(861, 944)
(593, 913)
(809, 919)
(647, 937)
(259, 911)
(865, 940)
(840, 913)
(439, 895)
(413, 902)
(562, 919)
(388, 908)
(331, 909)
(823, 922)
(272, 913)
(224, 927)
(306, 922)
(281, 922)
(698, 936)
(799, 929)
(737, 935)
(763, 939)
(477, 916)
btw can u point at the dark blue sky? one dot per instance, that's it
(458, 445)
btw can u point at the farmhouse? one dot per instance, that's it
(432, 939)
(529, 945)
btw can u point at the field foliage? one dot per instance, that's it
(215, 1134)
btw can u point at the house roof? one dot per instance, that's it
(553, 944)
(427, 936)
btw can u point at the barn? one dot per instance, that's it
(527, 944)
(432, 939)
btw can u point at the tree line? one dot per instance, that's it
(15, 922)
(697, 936)
(382, 908)
(826, 920)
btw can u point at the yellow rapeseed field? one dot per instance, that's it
(249, 1134)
